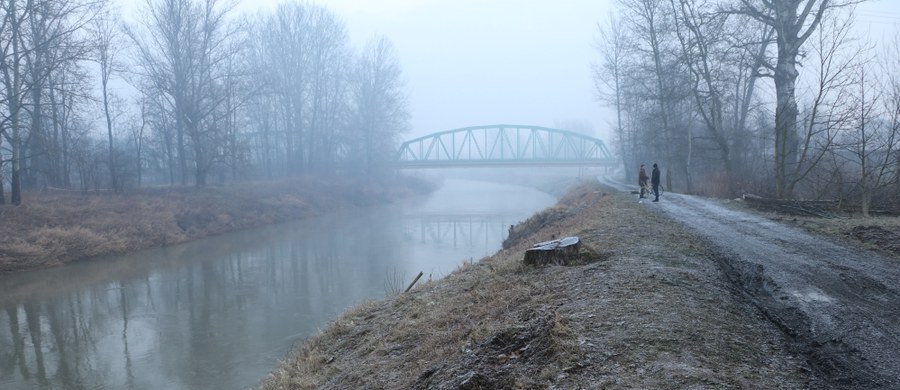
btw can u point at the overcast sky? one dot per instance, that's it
(480, 62)
(476, 62)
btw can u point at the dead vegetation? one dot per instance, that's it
(649, 311)
(879, 233)
(52, 228)
(814, 208)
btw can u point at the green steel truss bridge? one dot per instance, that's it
(503, 145)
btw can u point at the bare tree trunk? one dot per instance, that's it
(56, 162)
(2, 188)
(785, 119)
(13, 78)
(113, 178)
(789, 24)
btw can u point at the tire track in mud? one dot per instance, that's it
(839, 306)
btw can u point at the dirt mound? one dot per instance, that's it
(497, 361)
(886, 239)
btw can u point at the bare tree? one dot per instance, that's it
(282, 40)
(609, 75)
(891, 83)
(305, 69)
(380, 103)
(659, 78)
(15, 88)
(56, 42)
(329, 65)
(831, 109)
(137, 129)
(715, 49)
(793, 21)
(107, 50)
(68, 99)
(37, 39)
(873, 143)
(182, 48)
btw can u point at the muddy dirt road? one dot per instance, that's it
(840, 305)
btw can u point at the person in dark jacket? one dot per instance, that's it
(654, 180)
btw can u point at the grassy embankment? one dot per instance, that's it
(648, 308)
(53, 228)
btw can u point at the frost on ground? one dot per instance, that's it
(648, 308)
(839, 303)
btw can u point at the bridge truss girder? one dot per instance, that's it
(503, 145)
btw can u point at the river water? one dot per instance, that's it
(219, 313)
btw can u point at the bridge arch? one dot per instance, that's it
(503, 145)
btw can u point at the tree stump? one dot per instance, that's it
(561, 252)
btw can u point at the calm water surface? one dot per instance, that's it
(219, 313)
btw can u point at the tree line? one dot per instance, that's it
(774, 98)
(192, 93)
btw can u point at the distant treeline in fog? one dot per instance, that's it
(193, 93)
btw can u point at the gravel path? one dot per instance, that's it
(840, 305)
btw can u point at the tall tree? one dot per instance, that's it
(329, 64)
(182, 46)
(106, 50)
(701, 35)
(609, 74)
(15, 88)
(793, 21)
(652, 28)
(380, 104)
(831, 107)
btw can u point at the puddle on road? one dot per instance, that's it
(812, 296)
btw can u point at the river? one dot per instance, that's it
(220, 312)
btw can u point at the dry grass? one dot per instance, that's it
(650, 311)
(53, 228)
(878, 233)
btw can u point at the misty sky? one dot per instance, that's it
(475, 62)
(480, 62)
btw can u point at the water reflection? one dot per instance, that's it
(219, 313)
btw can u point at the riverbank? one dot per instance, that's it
(52, 228)
(647, 309)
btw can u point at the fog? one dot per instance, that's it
(475, 62)
(281, 88)
(156, 95)
(220, 313)
(528, 62)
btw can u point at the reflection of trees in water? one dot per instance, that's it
(202, 311)
(54, 342)
(17, 358)
(32, 318)
(129, 364)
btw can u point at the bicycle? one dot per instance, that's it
(648, 190)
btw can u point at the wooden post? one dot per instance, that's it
(414, 282)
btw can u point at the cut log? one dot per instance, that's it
(561, 252)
